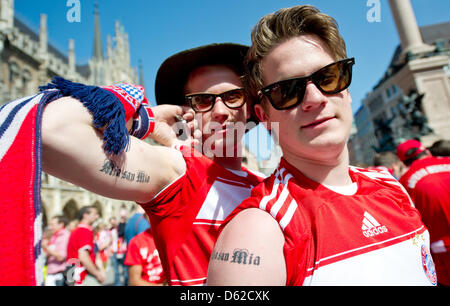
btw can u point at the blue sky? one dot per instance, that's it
(160, 28)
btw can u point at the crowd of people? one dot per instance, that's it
(391, 162)
(424, 173)
(128, 247)
(84, 252)
(326, 221)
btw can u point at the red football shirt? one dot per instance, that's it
(367, 235)
(428, 183)
(186, 215)
(142, 251)
(81, 238)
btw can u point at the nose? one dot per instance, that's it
(313, 97)
(220, 111)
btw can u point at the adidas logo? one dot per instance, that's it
(371, 227)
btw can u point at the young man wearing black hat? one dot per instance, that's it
(186, 194)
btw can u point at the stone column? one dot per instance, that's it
(6, 28)
(6, 15)
(43, 36)
(43, 50)
(408, 30)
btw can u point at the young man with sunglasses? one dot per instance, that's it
(316, 220)
(187, 194)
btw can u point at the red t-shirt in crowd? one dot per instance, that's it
(428, 183)
(142, 252)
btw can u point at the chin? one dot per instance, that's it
(321, 147)
(227, 142)
(330, 146)
(337, 135)
(218, 148)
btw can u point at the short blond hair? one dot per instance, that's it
(280, 26)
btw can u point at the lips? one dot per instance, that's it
(316, 122)
(218, 128)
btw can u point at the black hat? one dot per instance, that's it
(173, 73)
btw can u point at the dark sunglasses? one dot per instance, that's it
(330, 79)
(203, 102)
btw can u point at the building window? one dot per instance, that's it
(394, 110)
(394, 89)
(447, 70)
(26, 82)
(13, 72)
(376, 104)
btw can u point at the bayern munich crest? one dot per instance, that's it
(428, 265)
(135, 91)
(133, 94)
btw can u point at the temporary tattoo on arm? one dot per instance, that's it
(110, 168)
(238, 256)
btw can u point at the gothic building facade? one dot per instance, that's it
(420, 66)
(28, 60)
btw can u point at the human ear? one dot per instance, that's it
(262, 115)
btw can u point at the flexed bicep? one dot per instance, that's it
(73, 150)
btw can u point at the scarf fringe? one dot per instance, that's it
(105, 107)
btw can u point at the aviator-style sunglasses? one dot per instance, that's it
(203, 102)
(330, 79)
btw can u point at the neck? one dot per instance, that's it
(57, 231)
(84, 222)
(233, 163)
(228, 157)
(332, 172)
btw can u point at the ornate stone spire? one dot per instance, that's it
(98, 47)
(72, 58)
(141, 74)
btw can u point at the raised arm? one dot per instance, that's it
(72, 150)
(249, 252)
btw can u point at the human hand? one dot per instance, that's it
(170, 121)
(100, 276)
(44, 244)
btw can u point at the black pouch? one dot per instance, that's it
(69, 272)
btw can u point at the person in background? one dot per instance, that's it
(389, 162)
(123, 212)
(137, 224)
(103, 241)
(428, 183)
(80, 249)
(56, 250)
(118, 251)
(72, 225)
(121, 227)
(142, 259)
(440, 148)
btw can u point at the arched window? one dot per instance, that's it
(14, 80)
(70, 210)
(27, 85)
(13, 72)
(99, 207)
